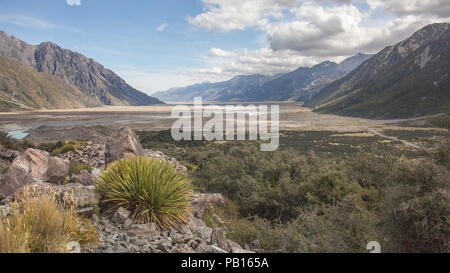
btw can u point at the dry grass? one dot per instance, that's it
(41, 224)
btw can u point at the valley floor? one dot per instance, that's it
(53, 125)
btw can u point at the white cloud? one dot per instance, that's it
(339, 30)
(440, 8)
(304, 33)
(262, 61)
(217, 52)
(162, 27)
(239, 14)
(73, 2)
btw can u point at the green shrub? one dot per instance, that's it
(442, 121)
(343, 227)
(441, 152)
(190, 167)
(417, 207)
(67, 147)
(335, 199)
(51, 146)
(153, 190)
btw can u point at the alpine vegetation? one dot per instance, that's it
(153, 190)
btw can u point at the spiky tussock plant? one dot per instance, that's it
(152, 189)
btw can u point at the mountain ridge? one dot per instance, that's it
(22, 88)
(407, 79)
(102, 85)
(299, 84)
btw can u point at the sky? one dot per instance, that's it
(158, 44)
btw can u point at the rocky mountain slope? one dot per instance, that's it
(408, 79)
(101, 85)
(22, 88)
(304, 83)
(300, 84)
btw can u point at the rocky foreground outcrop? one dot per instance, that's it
(122, 144)
(33, 166)
(119, 234)
(37, 171)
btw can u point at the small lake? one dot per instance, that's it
(17, 134)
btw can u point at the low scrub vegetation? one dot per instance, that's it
(54, 148)
(39, 223)
(337, 200)
(153, 190)
(441, 121)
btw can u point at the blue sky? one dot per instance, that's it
(158, 44)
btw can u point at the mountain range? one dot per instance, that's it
(98, 85)
(408, 79)
(300, 84)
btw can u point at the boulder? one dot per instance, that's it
(123, 144)
(57, 170)
(120, 216)
(218, 238)
(84, 178)
(31, 167)
(85, 196)
(199, 228)
(160, 155)
(202, 201)
(97, 173)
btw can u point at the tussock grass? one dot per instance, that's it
(153, 190)
(41, 224)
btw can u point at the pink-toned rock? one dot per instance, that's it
(123, 144)
(31, 167)
(57, 170)
(84, 178)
